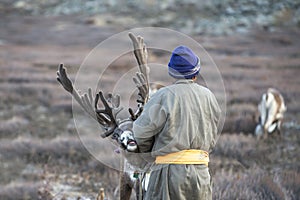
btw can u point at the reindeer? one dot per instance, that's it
(271, 110)
(119, 130)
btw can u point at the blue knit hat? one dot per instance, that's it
(184, 63)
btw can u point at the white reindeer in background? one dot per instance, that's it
(271, 110)
(119, 130)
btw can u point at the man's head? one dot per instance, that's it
(184, 63)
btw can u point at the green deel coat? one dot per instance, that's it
(181, 116)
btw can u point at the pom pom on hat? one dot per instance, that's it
(184, 63)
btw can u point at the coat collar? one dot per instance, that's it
(184, 81)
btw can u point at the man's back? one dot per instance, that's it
(190, 112)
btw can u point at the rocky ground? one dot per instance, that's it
(41, 155)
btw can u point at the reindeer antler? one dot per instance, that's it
(85, 100)
(105, 117)
(142, 77)
(141, 54)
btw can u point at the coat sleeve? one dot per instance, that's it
(215, 109)
(151, 122)
(215, 113)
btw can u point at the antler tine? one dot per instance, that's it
(84, 101)
(63, 79)
(87, 101)
(107, 116)
(140, 83)
(114, 99)
(102, 120)
(141, 54)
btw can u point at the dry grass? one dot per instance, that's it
(244, 168)
(256, 184)
(23, 191)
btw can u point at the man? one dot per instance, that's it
(178, 127)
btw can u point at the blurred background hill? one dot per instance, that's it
(189, 16)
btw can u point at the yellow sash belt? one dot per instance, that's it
(190, 156)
